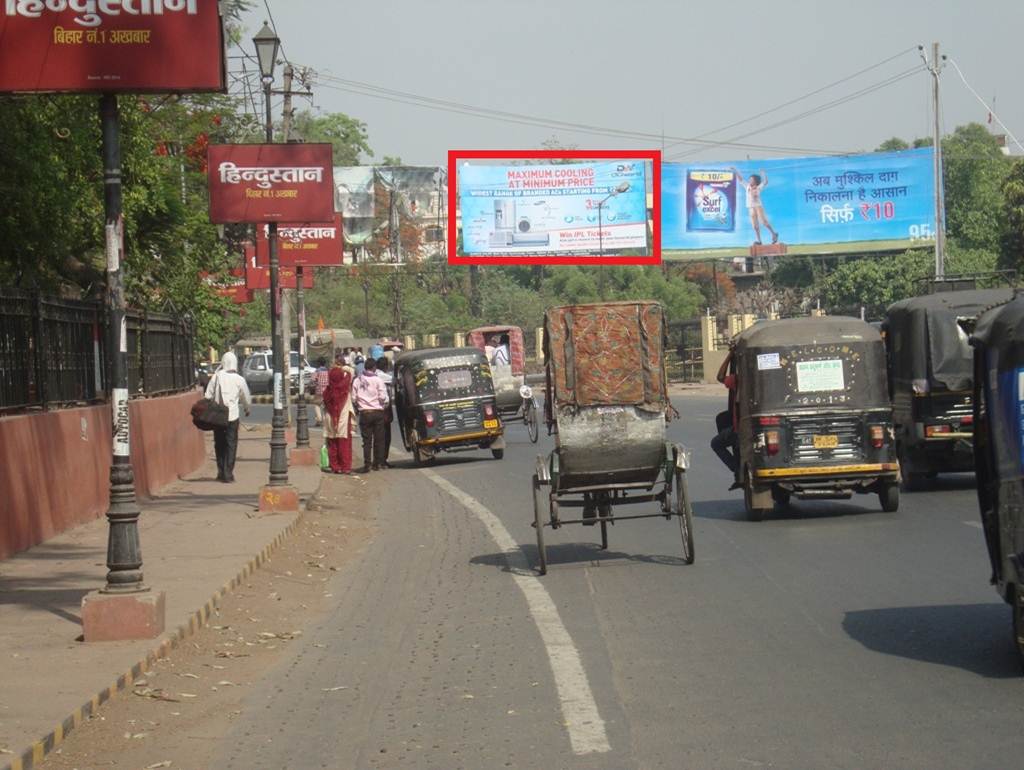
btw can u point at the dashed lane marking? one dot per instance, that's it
(579, 710)
(975, 524)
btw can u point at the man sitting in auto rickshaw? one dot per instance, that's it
(725, 444)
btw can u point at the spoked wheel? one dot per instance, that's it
(530, 418)
(538, 522)
(685, 513)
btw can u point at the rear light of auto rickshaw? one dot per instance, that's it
(763, 421)
(429, 418)
(771, 442)
(877, 435)
(937, 430)
(967, 419)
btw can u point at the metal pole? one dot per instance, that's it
(940, 233)
(600, 232)
(301, 418)
(124, 552)
(278, 445)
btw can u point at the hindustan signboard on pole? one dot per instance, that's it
(564, 211)
(259, 277)
(852, 203)
(271, 183)
(306, 245)
(135, 46)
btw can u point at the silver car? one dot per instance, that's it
(258, 372)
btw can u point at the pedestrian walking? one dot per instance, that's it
(370, 395)
(338, 420)
(319, 384)
(227, 387)
(383, 371)
(358, 360)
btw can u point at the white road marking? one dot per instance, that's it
(579, 710)
(975, 524)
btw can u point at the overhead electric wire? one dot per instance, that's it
(378, 92)
(820, 108)
(808, 95)
(991, 111)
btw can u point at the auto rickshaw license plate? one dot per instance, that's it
(490, 423)
(826, 441)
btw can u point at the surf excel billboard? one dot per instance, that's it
(851, 203)
(569, 206)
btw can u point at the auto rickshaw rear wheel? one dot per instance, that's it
(889, 496)
(913, 481)
(498, 453)
(417, 453)
(753, 513)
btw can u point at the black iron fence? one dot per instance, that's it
(53, 352)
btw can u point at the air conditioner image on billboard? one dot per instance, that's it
(513, 230)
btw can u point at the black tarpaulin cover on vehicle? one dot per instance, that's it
(926, 342)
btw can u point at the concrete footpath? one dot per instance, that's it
(199, 538)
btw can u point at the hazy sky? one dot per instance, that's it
(679, 68)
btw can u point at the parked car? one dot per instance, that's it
(204, 371)
(258, 372)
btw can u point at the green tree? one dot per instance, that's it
(892, 145)
(974, 169)
(1012, 255)
(345, 134)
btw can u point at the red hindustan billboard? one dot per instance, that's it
(306, 245)
(136, 46)
(259, 277)
(291, 183)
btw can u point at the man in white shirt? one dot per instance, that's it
(499, 352)
(371, 399)
(227, 387)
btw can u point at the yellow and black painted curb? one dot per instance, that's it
(268, 399)
(32, 756)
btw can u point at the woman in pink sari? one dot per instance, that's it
(338, 419)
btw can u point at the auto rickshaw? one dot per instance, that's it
(930, 378)
(445, 402)
(998, 410)
(813, 414)
(514, 397)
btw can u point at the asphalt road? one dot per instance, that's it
(830, 635)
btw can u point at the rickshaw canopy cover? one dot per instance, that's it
(604, 354)
(925, 341)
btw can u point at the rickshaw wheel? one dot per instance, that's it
(685, 514)
(889, 497)
(498, 453)
(753, 514)
(417, 453)
(542, 556)
(530, 418)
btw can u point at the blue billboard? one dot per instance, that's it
(850, 203)
(553, 209)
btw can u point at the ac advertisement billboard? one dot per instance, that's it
(851, 203)
(133, 46)
(291, 183)
(553, 209)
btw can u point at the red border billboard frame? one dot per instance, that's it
(654, 258)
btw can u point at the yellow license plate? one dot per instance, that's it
(490, 423)
(828, 441)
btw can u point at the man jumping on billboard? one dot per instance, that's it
(753, 186)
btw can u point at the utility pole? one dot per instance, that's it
(286, 305)
(935, 67)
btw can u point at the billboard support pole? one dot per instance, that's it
(301, 417)
(124, 552)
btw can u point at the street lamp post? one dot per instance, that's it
(267, 45)
(622, 187)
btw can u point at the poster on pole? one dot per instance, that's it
(878, 201)
(271, 183)
(307, 245)
(555, 208)
(90, 46)
(259, 277)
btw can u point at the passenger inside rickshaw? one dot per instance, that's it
(496, 348)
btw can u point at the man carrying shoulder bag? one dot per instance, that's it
(227, 387)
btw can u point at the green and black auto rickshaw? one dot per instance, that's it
(998, 411)
(444, 399)
(813, 418)
(931, 379)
